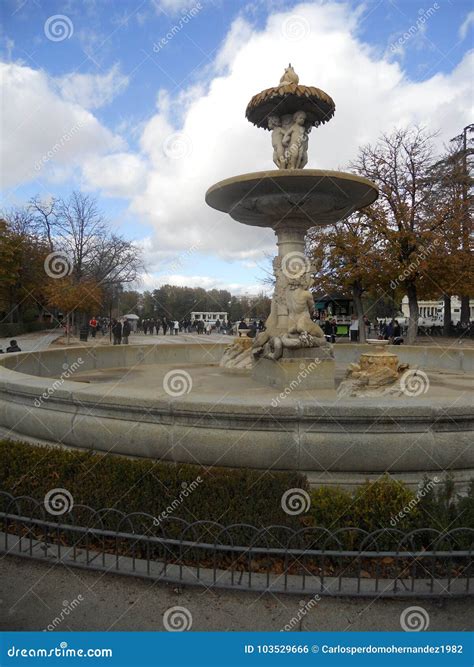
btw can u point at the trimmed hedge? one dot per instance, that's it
(8, 330)
(227, 496)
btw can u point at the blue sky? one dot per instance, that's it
(147, 126)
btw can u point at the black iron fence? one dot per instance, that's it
(312, 560)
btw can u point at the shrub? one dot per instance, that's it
(225, 495)
(8, 330)
(385, 503)
(330, 507)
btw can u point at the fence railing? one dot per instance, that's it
(345, 562)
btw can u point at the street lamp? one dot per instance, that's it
(465, 300)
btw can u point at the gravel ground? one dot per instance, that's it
(33, 594)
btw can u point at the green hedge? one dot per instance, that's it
(225, 495)
(228, 496)
(13, 330)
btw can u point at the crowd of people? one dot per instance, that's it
(171, 326)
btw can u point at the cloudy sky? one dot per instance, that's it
(142, 103)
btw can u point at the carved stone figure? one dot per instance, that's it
(300, 308)
(279, 154)
(292, 299)
(289, 76)
(295, 141)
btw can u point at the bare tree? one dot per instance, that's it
(409, 214)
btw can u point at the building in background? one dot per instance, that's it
(434, 309)
(209, 316)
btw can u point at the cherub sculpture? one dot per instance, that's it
(279, 156)
(295, 141)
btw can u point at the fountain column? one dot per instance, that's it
(291, 262)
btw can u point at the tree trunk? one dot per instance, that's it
(359, 308)
(414, 314)
(446, 315)
(465, 310)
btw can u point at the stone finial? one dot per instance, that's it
(289, 76)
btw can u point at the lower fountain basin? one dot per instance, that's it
(128, 400)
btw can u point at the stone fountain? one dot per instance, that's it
(290, 200)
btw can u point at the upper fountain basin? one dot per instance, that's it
(309, 197)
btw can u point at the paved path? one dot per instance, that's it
(31, 342)
(33, 594)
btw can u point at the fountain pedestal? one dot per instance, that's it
(301, 370)
(292, 351)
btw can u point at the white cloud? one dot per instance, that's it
(92, 91)
(465, 25)
(199, 135)
(41, 132)
(175, 6)
(150, 282)
(117, 175)
(214, 140)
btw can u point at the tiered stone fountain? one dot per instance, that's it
(173, 402)
(290, 200)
